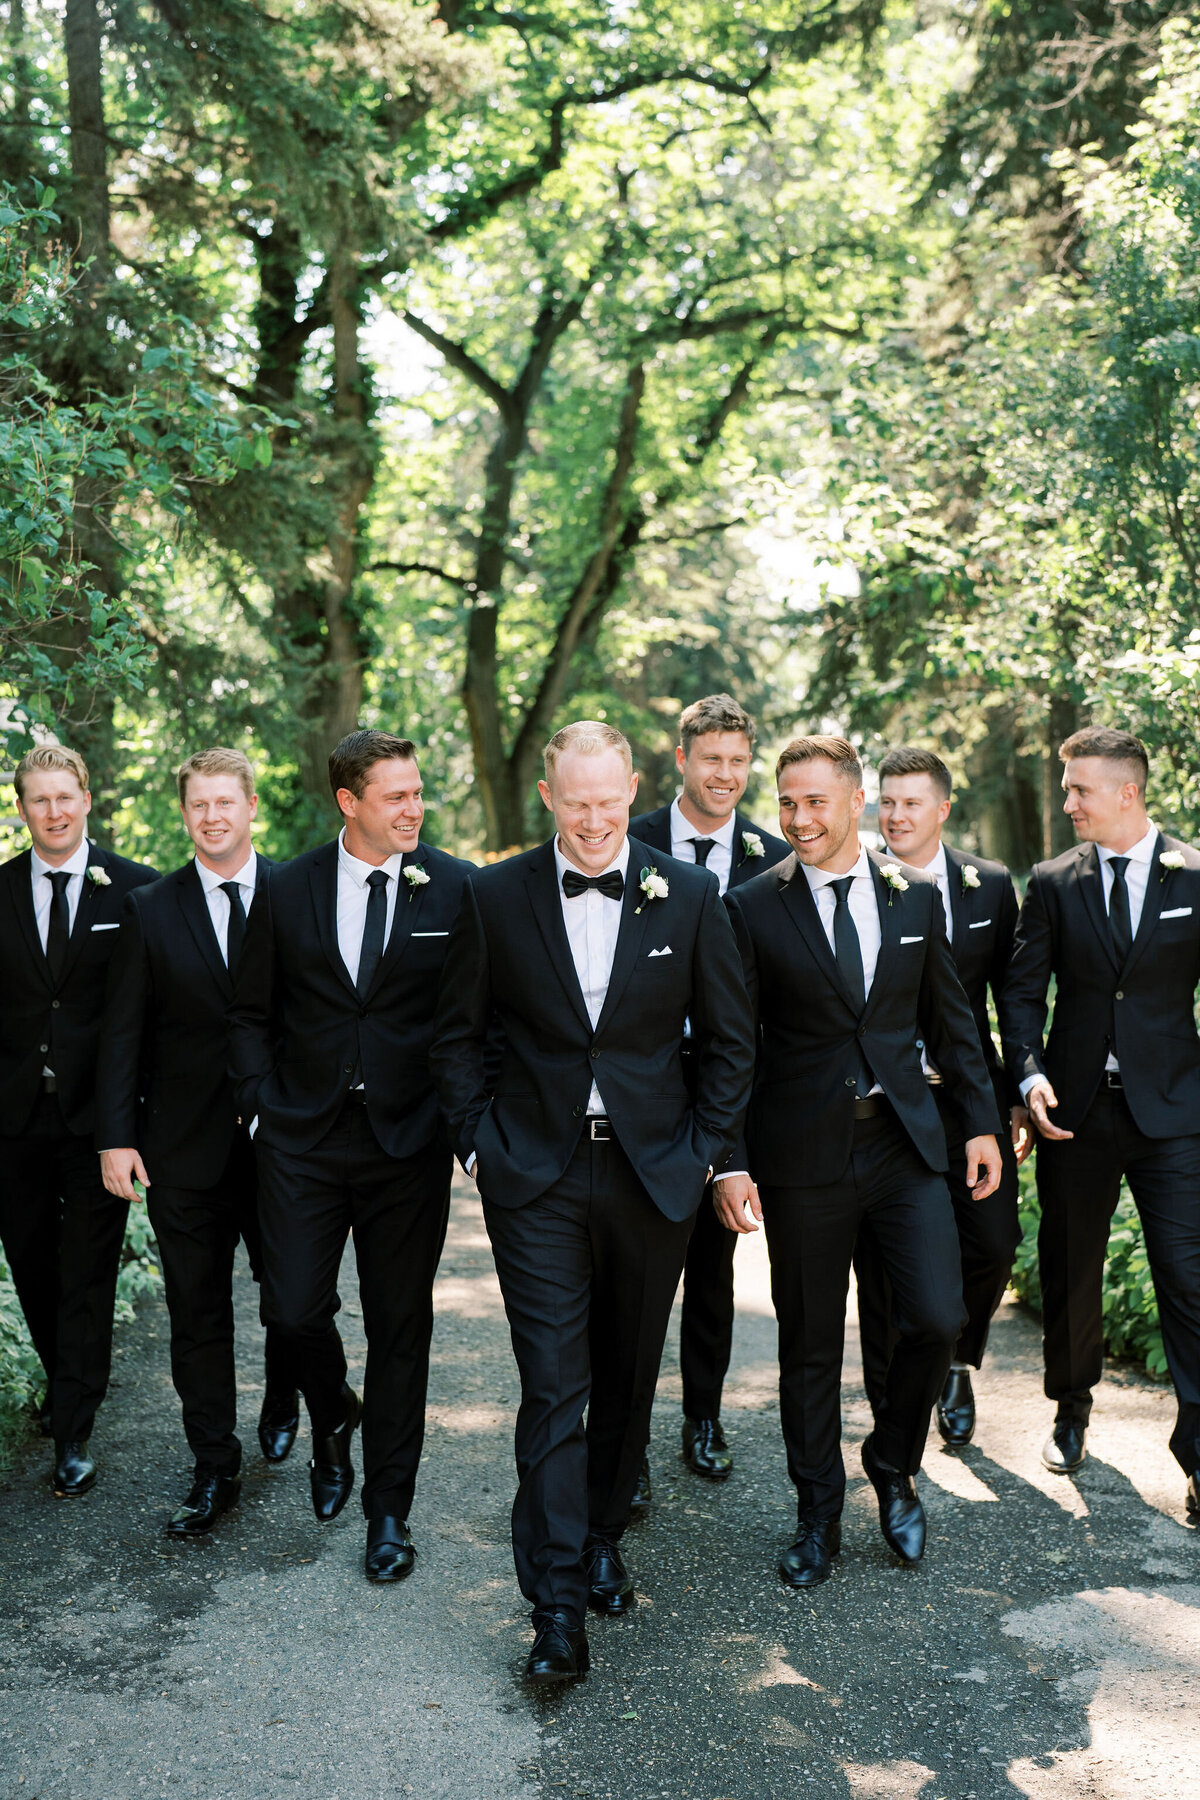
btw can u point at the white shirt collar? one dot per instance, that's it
(937, 866)
(75, 865)
(683, 828)
(211, 881)
(1141, 852)
(619, 861)
(819, 878)
(358, 870)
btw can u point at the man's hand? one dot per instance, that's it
(1039, 1097)
(1022, 1132)
(732, 1196)
(983, 1166)
(119, 1169)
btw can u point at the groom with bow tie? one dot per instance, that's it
(579, 963)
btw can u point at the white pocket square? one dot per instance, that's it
(978, 924)
(1177, 912)
(431, 934)
(116, 926)
(665, 951)
(916, 940)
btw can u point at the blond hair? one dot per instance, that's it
(50, 756)
(218, 761)
(589, 737)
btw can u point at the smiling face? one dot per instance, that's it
(590, 793)
(715, 770)
(911, 815)
(54, 808)
(217, 813)
(819, 810)
(1103, 802)
(386, 821)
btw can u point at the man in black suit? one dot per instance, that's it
(579, 961)
(165, 1116)
(1116, 922)
(60, 909)
(852, 980)
(331, 1024)
(703, 825)
(980, 907)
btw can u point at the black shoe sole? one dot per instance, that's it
(74, 1493)
(390, 1579)
(556, 1679)
(1063, 1468)
(955, 1440)
(798, 1587)
(611, 1606)
(715, 1475)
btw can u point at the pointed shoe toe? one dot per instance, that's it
(390, 1552)
(901, 1515)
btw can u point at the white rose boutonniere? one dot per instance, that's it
(1170, 859)
(970, 876)
(416, 878)
(654, 886)
(895, 880)
(752, 846)
(98, 877)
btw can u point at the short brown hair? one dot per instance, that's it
(906, 759)
(837, 750)
(351, 761)
(218, 761)
(50, 756)
(590, 736)
(716, 712)
(1114, 746)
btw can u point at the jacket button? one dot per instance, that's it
(45, 1049)
(851, 1082)
(348, 1068)
(593, 1054)
(862, 1031)
(920, 1043)
(1117, 996)
(56, 1004)
(577, 1112)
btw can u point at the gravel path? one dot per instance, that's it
(1049, 1646)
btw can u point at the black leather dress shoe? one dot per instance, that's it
(901, 1515)
(74, 1471)
(560, 1649)
(956, 1408)
(642, 1496)
(331, 1472)
(1193, 1496)
(211, 1496)
(610, 1585)
(705, 1451)
(391, 1552)
(808, 1561)
(278, 1423)
(1065, 1449)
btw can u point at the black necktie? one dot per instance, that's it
(704, 848)
(1119, 922)
(848, 950)
(237, 925)
(611, 884)
(373, 928)
(58, 932)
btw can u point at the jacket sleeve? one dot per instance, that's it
(1021, 1003)
(951, 1034)
(462, 1053)
(119, 1063)
(722, 1021)
(252, 1050)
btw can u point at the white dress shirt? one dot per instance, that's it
(218, 903)
(43, 890)
(939, 868)
(720, 857)
(593, 922)
(864, 910)
(352, 896)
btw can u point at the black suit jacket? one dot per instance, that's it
(983, 921)
(300, 1036)
(1142, 1011)
(510, 965)
(654, 828)
(56, 1025)
(163, 1083)
(800, 1127)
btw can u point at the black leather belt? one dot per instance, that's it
(600, 1129)
(1112, 1078)
(871, 1106)
(358, 1095)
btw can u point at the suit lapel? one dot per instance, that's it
(655, 830)
(404, 918)
(890, 921)
(1091, 888)
(958, 908)
(89, 895)
(20, 882)
(322, 881)
(743, 867)
(542, 886)
(797, 897)
(1152, 906)
(193, 904)
(629, 933)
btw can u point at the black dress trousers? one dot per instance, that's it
(706, 1316)
(811, 1233)
(588, 1272)
(1079, 1184)
(197, 1230)
(989, 1232)
(62, 1233)
(397, 1208)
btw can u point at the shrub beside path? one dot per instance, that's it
(1049, 1646)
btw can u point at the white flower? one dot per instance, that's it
(653, 885)
(970, 876)
(752, 844)
(895, 880)
(416, 878)
(98, 877)
(1171, 859)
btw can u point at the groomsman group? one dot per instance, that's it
(640, 1039)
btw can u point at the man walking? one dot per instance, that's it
(165, 1116)
(60, 911)
(330, 1039)
(1114, 1090)
(580, 962)
(702, 824)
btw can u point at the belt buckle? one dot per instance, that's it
(600, 1130)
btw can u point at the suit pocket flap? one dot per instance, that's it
(1177, 912)
(115, 926)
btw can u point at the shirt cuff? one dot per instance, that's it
(728, 1175)
(469, 1165)
(1028, 1083)
(254, 1125)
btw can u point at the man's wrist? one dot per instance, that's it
(730, 1175)
(1030, 1082)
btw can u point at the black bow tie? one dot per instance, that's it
(611, 884)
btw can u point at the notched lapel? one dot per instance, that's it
(629, 941)
(194, 907)
(322, 882)
(802, 910)
(890, 920)
(1091, 888)
(20, 883)
(542, 886)
(1152, 905)
(404, 918)
(89, 897)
